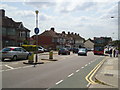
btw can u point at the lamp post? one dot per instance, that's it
(36, 32)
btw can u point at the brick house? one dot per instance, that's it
(47, 39)
(51, 39)
(13, 33)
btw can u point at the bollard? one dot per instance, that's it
(31, 57)
(51, 55)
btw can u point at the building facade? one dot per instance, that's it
(89, 44)
(13, 33)
(50, 39)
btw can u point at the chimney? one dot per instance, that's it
(69, 33)
(72, 33)
(63, 32)
(53, 29)
(2, 13)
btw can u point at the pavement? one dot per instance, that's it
(108, 75)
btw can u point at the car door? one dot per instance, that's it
(18, 52)
(24, 53)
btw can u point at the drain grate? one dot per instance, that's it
(108, 74)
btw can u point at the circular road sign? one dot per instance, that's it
(36, 30)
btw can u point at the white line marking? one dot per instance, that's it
(86, 65)
(70, 74)
(82, 67)
(77, 70)
(9, 67)
(59, 82)
(88, 84)
(1, 70)
(17, 68)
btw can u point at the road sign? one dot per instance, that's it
(36, 30)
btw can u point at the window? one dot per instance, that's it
(11, 31)
(28, 34)
(3, 31)
(22, 34)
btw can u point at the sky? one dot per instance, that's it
(88, 18)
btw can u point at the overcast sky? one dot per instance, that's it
(89, 18)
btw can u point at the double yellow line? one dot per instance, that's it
(92, 73)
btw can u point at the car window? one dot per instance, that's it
(17, 49)
(82, 49)
(23, 50)
(6, 49)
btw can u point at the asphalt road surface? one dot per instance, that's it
(50, 75)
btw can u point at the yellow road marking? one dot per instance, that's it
(91, 74)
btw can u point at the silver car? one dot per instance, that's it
(82, 51)
(14, 53)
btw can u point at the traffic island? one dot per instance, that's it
(50, 59)
(32, 63)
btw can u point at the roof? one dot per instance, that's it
(90, 40)
(9, 22)
(49, 33)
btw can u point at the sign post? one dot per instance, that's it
(36, 30)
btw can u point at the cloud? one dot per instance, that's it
(41, 4)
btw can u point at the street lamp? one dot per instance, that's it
(36, 32)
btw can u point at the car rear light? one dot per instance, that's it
(11, 49)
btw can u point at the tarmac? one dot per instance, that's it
(108, 75)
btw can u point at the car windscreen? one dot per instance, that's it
(82, 50)
(6, 49)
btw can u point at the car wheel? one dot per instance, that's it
(14, 57)
(27, 57)
(69, 53)
(3, 59)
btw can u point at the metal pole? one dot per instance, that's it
(36, 58)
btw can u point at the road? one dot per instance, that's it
(50, 75)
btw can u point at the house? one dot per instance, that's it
(52, 39)
(77, 41)
(89, 44)
(13, 33)
(47, 39)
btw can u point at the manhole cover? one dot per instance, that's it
(108, 74)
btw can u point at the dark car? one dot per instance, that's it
(82, 51)
(75, 50)
(64, 51)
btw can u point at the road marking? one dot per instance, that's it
(88, 84)
(77, 70)
(70, 74)
(90, 75)
(16, 68)
(86, 65)
(59, 82)
(82, 67)
(9, 67)
(1, 70)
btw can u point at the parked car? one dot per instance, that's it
(82, 51)
(40, 49)
(14, 53)
(64, 51)
(75, 50)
